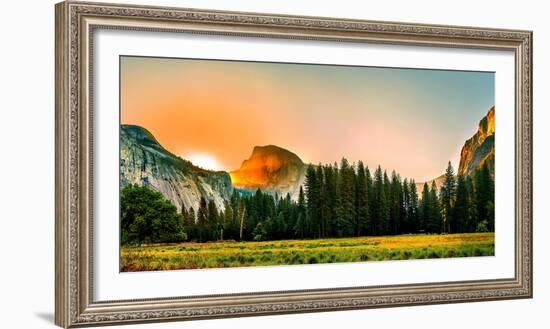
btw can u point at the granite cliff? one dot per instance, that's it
(480, 148)
(145, 162)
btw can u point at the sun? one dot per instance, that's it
(205, 161)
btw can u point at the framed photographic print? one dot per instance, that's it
(219, 164)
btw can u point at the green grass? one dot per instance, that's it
(287, 252)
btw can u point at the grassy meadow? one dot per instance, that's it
(191, 255)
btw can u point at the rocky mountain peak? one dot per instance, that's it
(271, 168)
(487, 124)
(480, 148)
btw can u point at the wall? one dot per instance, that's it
(27, 162)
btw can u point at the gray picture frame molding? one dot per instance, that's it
(75, 24)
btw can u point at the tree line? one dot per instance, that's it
(342, 200)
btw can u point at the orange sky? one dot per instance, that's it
(413, 121)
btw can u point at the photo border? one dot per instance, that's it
(75, 23)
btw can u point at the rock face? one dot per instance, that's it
(271, 169)
(480, 148)
(145, 162)
(438, 183)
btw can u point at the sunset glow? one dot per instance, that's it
(204, 161)
(213, 113)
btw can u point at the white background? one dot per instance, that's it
(27, 163)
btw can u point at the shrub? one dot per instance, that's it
(482, 226)
(433, 254)
(478, 252)
(147, 217)
(313, 260)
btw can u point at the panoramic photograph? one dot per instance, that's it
(237, 164)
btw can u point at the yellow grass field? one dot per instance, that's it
(287, 252)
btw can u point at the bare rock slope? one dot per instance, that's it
(145, 162)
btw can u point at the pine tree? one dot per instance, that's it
(323, 211)
(472, 213)
(312, 196)
(413, 207)
(385, 204)
(435, 219)
(425, 210)
(331, 198)
(379, 204)
(280, 226)
(369, 221)
(202, 221)
(405, 225)
(212, 212)
(339, 210)
(213, 221)
(229, 227)
(300, 226)
(202, 214)
(192, 220)
(347, 199)
(191, 224)
(484, 195)
(288, 209)
(254, 212)
(448, 195)
(361, 210)
(396, 204)
(235, 202)
(461, 210)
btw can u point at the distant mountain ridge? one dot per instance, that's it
(273, 169)
(145, 162)
(438, 183)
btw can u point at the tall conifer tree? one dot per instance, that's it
(329, 173)
(396, 204)
(413, 207)
(425, 209)
(361, 210)
(461, 211)
(405, 225)
(378, 202)
(435, 219)
(347, 199)
(385, 204)
(300, 226)
(448, 195)
(369, 221)
(312, 196)
(323, 210)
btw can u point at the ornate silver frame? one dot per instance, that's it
(75, 23)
